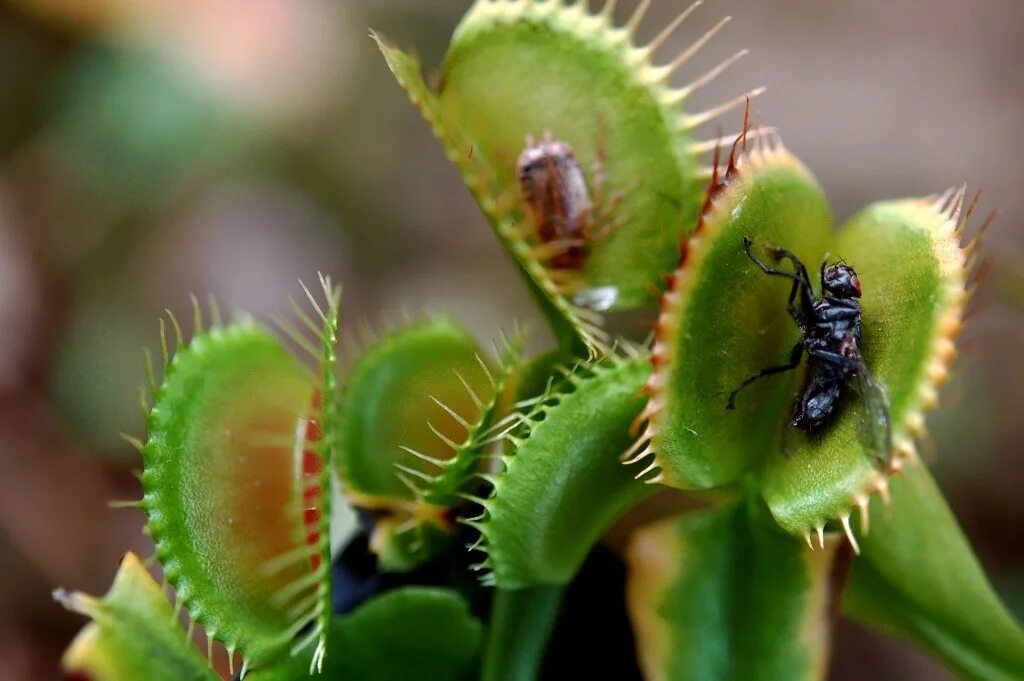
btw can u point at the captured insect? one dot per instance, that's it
(830, 334)
(564, 218)
(557, 199)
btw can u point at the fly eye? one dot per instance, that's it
(855, 283)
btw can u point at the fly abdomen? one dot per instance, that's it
(818, 399)
(557, 201)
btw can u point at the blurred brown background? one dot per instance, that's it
(152, 149)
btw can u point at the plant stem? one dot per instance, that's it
(521, 624)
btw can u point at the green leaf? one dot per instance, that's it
(912, 270)
(415, 390)
(528, 68)
(410, 633)
(723, 319)
(723, 594)
(564, 485)
(134, 633)
(240, 524)
(918, 579)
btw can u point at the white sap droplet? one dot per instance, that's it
(599, 298)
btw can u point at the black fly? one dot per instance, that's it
(830, 334)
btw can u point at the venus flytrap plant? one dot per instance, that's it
(913, 273)
(609, 212)
(251, 560)
(582, 79)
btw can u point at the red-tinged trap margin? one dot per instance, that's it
(312, 491)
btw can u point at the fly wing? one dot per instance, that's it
(875, 426)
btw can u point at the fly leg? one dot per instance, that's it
(800, 273)
(794, 360)
(798, 267)
(801, 283)
(806, 309)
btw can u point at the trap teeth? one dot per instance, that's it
(882, 486)
(945, 349)
(950, 325)
(863, 501)
(904, 449)
(938, 373)
(849, 533)
(915, 425)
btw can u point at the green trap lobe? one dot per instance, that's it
(523, 70)
(907, 257)
(565, 485)
(393, 400)
(222, 463)
(724, 319)
(387, 405)
(531, 69)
